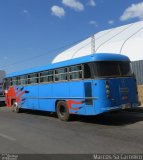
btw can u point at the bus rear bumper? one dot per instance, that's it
(121, 107)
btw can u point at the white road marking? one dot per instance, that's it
(7, 137)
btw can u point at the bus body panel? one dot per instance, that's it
(71, 92)
(46, 102)
(44, 96)
(25, 97)
(123, 91)
(61, 90)
(76, 97)
(33, 93)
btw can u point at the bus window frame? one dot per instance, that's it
(32, 78)
(66, 73)
(14, 81)
(26, 79)
(78, 71)
(112, 76)
(91, 71)
(47, 82)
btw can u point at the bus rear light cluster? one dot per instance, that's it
(107, 89)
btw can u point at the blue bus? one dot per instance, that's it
(88, 85)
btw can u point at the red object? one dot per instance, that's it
(71, 102)
(11, 95)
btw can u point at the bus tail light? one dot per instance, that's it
(107, 87)
(108, 92)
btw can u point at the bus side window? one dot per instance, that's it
(23, 80)
(15, 81)
(18, 81)
(87, 71)
(61, 74)
(6, 83)
(33, 78)
(46, 76)
(75, 72)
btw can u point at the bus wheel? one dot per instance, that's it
(62, 111)
(15, 107)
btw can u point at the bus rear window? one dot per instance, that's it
(125, 68)
(112, 69)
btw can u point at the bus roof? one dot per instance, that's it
(89, 58)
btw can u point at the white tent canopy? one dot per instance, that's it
(126, 40)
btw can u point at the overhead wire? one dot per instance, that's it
(44, 54)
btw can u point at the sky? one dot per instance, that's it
(33, 32)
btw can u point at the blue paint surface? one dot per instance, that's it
(44, 96)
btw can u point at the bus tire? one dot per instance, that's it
(62, 111)
(15, 107)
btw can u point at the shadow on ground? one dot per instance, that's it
(110, 119)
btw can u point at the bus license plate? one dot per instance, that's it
(125, 106)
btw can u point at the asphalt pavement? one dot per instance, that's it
(42, 133)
